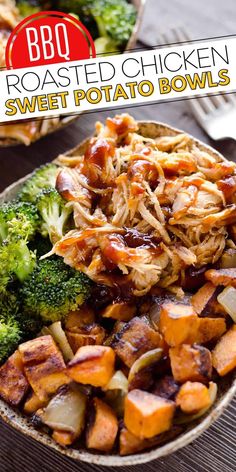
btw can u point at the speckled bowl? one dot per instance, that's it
(67, 120)
(226, 385)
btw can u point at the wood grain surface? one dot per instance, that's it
(215, 450)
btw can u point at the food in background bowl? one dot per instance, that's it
(136, 326)
(113, 25)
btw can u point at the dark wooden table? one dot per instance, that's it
(215, 450)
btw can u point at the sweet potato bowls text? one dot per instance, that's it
(124, 315)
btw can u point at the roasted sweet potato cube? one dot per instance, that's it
(166, 387)
(201, 298)
(190, 363)
(119, 311)
(13, 382)
(147, 415)
(93, 365)
(224, 353)
(89, 335)
(222, 276)
(44, 366)
(33, 403)
(103, 427)
(130, 444)
(205, 302)
(178, 323)
(192, 397)
(79, 319)
(210, 329)
(64, 438)
(134, 339)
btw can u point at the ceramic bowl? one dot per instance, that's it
(226, 385)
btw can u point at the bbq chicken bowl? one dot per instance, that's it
(118, 294)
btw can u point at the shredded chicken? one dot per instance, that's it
(145, 210)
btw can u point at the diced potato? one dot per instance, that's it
(201, 298)
(89, 335)
(134, 339)
(102, 431)
(224, 353)
(205, 301)
(191, 363)
(63, 438)
(147, 415)
(192, 397)
(166, 387)
(210, 329)
(222, 276)
(44, 366)
(78, 319)
(93, 365)
(178, 323)
(33, 403)
(130, 444)
(119, 311)
(13, 382)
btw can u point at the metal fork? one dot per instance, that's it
(215, 113)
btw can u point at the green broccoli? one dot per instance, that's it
(10, 336)
(114, 19)
(105, 46)
(54, 213)
(43, 177)
(30, 325)
(104, 18)
(18, 220)
(18, 224)
(10, 332)
(53, 290)
(15, 326)
(27, 8)
(9, 305)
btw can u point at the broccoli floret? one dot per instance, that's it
(9, 305)
(43, 177)
(18, 224)
(53, 290)
(104, 18)
(15, 326)
(30, 325)
(105, 46)
(54, 213)
(10, 336)
(114, 19)
(10, 331)
(27, 8)
(18, 220)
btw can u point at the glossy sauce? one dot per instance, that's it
(121, 125)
